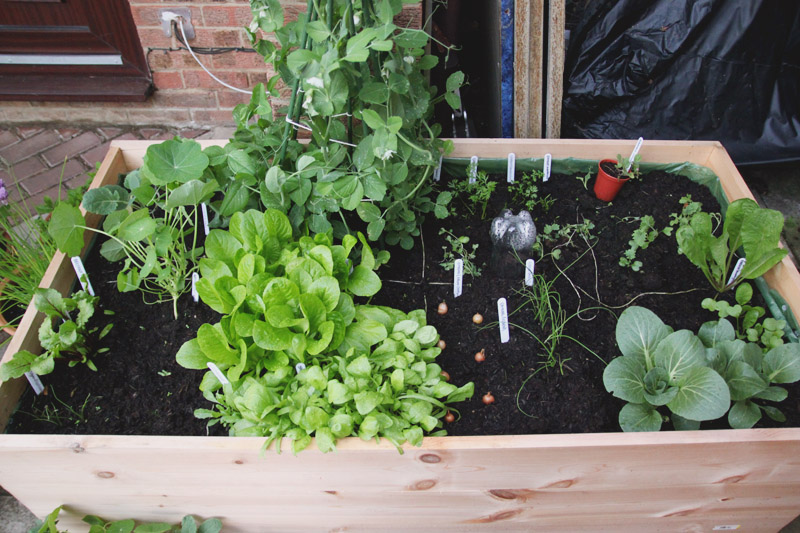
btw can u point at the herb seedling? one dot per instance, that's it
(641, 238)
(474, 196)
(585, 180)
(627, 168)
(768, 333)
(525, 191)
(458, 249)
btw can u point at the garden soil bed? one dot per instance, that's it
(140, 389)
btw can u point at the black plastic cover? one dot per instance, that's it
(726, 70)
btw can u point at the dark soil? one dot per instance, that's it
(611, 169)
(140, 389)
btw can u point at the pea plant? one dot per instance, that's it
(359, 92)
(152, 222)
(300, 358)
(70, 339)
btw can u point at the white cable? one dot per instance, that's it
(179, 19)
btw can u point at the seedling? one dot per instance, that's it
(459, 249)
(641, 238)
(525, 192)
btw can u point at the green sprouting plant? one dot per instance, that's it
(99, 525)
(474, 193)
(689, 208)
(524, 191)
(627, 168)
(152, 223)
(70, 339)
(60, 415)
(458, 249)
(563, 235)
(756, 230)
(768, 333)
(585, 179)
(359, 90)
(695, 376)
(641, 238)
(368, 370)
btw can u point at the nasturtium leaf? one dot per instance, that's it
(174, 161)
(639, 417)
(66, 228)
(193, 192)
(703, 395)
(105, 200)
(137, 226)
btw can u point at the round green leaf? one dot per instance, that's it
(782, 364)
(174, 161)
(744, 415)
(703, 395)
(624, 378)
(639, 417)
(106, 200)
(363, 281)
(638, 333)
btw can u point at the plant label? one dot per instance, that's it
(737, 270)
(218, 373)
(458, 277)
(473, 169)
(299, 367)
(437, 172)
(548, 165)
(530, 266)
(635, 151)
(195, 279)
(36, 383)
(204, 210)
(80, 271)
(502, 317)
(727, 527)
(512, 167)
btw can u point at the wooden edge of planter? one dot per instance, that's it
(59, 275)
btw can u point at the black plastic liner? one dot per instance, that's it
(726, 70)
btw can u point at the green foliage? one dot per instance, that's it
(474, 194)
(624, 171)
(641, 238)
(749, 326)
(368, 370)
(689, 208)
(458, 249)
(756, 230)
(70, 340)
(343, 61)
(99, 525)
(695, 376)
(525, 191)
(560, 235)
(152, 222)
(585, 179)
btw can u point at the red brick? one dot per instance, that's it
(239, 60)
(212, 117)
(150, 37)
(201, 80)
(229, 99)
(128, 137)
(109, 133)
(254, 78)
(216, 37)
(68, 133)
(149, 133)
(146, 15)
(30, 146)
(168, 80)
(41, 182)
(185, 99)
(192, 133)
(410, 16)
(29, 132)
(71, 148)
(229, 15)
(25, 169)
(98, 153)
(7, 137)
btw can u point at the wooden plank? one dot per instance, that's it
(528, 53)
(555, 69)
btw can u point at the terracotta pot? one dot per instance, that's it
(607, 186)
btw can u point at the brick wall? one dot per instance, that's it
(185, 95)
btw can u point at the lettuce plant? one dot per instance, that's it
(756, 230)
(695, 376)
(70, 339)
(152, 222)
(287, 302)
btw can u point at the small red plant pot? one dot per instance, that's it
(607, 186)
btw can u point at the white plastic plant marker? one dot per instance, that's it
(299, 367)
(195, 279)
(35, 382)
(458, 277)
(437, 172)
(512, 167)
(727, 527)
(502, 317)
(635, 151)
(204, 210)
(548, 165)
(473, 169)
(737, 270)
(530, 266)
(80, 271)
(218, 373)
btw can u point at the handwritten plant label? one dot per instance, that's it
(548, 165)
(737, 270)
(458, 277)
(204, 210)
(437, 172)
(512, 167)
(530, 265)
(502, 316)
(35, 382)
(727, 527)
(299, 367)
(635, 151)
(195, 279)
(80, 271)
(218, 373)
(473, 169)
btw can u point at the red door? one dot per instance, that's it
(71, 50)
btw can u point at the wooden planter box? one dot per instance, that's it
(670, 481)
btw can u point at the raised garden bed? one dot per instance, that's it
(599, 481)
